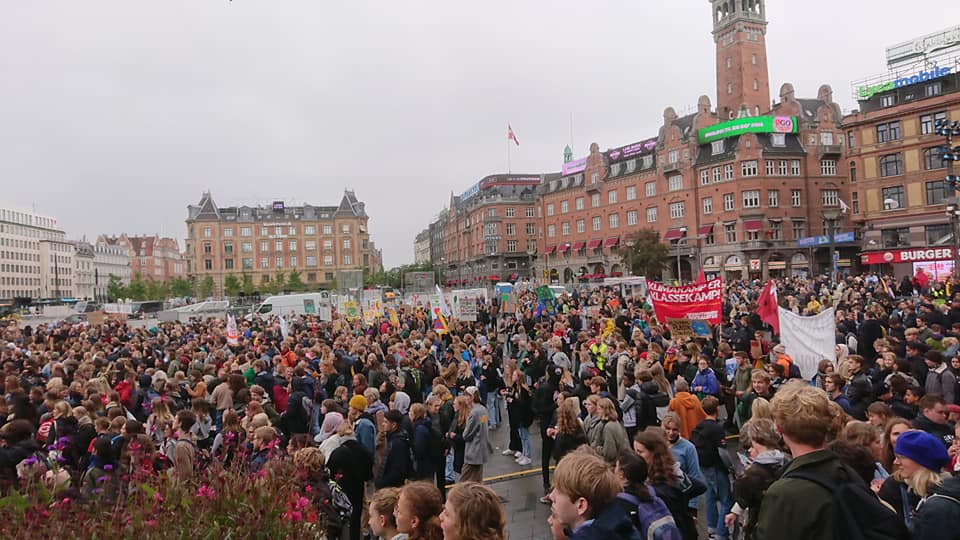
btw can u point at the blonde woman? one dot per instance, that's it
(613, 436)
(920, 458)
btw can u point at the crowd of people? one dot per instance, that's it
(651, 435)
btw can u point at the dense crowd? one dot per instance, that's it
(652, 435)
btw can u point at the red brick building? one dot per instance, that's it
(152, 257)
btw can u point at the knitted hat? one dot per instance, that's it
(358, 402)
(923, 448)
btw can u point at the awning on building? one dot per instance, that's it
(752, 225)
(577, 246)
(594, 244)
(675, 234)
(612, 241)
(562, 248)
(705, 230)
(549, 250)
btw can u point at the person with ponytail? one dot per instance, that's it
(473, 512)
(418, 511)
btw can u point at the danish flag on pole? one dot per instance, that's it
(511, 136)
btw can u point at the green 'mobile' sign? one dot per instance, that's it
(752, 124)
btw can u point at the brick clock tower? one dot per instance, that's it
(739, 29)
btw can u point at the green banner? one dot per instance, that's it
(544, 292)
(752, 124)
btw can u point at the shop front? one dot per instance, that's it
(936, 262)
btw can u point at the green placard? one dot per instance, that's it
(752, 124)
(544, 293)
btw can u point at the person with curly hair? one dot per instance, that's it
(418, 511)
(668, 481)
(473, 512)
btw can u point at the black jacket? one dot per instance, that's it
(397, 466)
(860, 394)
(939, 514)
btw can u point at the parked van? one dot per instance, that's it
(296, 304)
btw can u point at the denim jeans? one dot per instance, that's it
(526, 448)
(448, 467)
(315, 421)
(493, 408)
(719, 498)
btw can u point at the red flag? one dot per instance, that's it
(767, 307)
(701, 277)
(511, 136)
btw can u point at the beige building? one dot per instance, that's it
(109, 260)
(57, 268)
(421, 247)
(151, 256)
(315, 241)
(22, 261)
(83, 260)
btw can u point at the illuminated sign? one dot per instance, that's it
(278, 206)
(752, 124)
(907, 255)
(867, 92)
(631, 150)
(575, 166)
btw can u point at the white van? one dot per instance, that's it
(317, 303)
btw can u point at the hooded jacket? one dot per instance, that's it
(688, 407)
(612, 522)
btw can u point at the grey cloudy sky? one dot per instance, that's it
(114, 115)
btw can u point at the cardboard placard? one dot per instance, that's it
(96, 318)
(680, 328)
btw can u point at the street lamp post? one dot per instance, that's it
(531, 252)
(831, 217)
(683, 232)
(630, 243)
(949, 154)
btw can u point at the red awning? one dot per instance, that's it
(704, 230)
(549, 250)
(675, 234)
(594, 244)
(612, 241)
(562, 248)
(494, 278)
(752, 225)
(577, 246)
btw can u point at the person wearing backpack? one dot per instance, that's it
(398, 465)
(649, 513)
(352, 467)
(938, 514)
(709, 439)
(818, 496)
(425, 445)
(584, 489)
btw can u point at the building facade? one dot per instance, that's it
(899, 196)
(489, 232)
(151, 257)
(109, 259)
(83, 271)
(57, 268)
(746, 190)
(22, 262)
(316, 241)
(421, 247)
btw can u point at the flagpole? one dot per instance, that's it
(508, 156)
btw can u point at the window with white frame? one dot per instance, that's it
(328, 244)
(782, 167)
(328, 260)
(309, 229)
(327, 229)
(830, 197)
(704, 177)
(748, 168)
(594, 178)
(828, 167)
(652, 214)
(675, 183)
(716, 147)
(728, 171)
(531, 229)
(511, 229)
(614, 221)
(347, 259)
(246, 247)
(264, 262)
(264, 245)
(677, 210)
(245, 231)
(564, 207)
(647, 161)
(826, 138)
(612, 197)
(650, 189)
(751, 198)
(278, 245)
(511, 246)
(293, 261)
(549, 209)
(311, 261)
(595, 200)
(796, 197)
(510, 212)
(529, 212)
(730, 233)
(775, 231)
(207, 232)
(729, 203)
(578, 203)
(778, 139)
(310, 245)
(565, 228)
(773, 198)
(596, 223)
(673, 156)
(799, 229)
(631, 218)
(707, 205)
(279, 262)
(581, 226)
(771, 167)
(492, 212)
(795, 167)
(631, 193)
(227, 232)
(345, 228)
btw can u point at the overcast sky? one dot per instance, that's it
(115, 115)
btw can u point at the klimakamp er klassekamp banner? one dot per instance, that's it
(699, 302)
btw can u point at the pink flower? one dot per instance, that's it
(151, 522)
(294, 516)
(206, 492)
(301, 503)
(158, 497)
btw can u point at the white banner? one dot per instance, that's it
(808, 340)
(232, 337)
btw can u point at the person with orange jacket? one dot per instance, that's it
(687, 407)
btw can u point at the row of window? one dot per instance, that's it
(935, 235)
(890, 131)
(492, 229)
(278, 245)
(894, 197)
(278, 230)
(247, 263)
(935, 88)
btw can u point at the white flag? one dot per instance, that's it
(284, 331)
(843, 206)
(809, 340)
(232, 337)
(444, 308)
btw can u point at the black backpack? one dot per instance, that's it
(859, 513)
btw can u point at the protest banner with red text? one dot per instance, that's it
(697, 302)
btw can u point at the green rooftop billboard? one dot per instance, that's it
(752, 124)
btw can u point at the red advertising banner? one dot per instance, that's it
(698, 302)
(907, 255)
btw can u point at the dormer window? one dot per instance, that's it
(717, 147)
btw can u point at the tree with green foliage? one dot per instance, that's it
(154, 290)
(205, 288)
(231, 285)
(294, 283)
(648, 255)
(279, 282)
(137, 289)
(115, 288)
(180, 287)
(248, 286)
